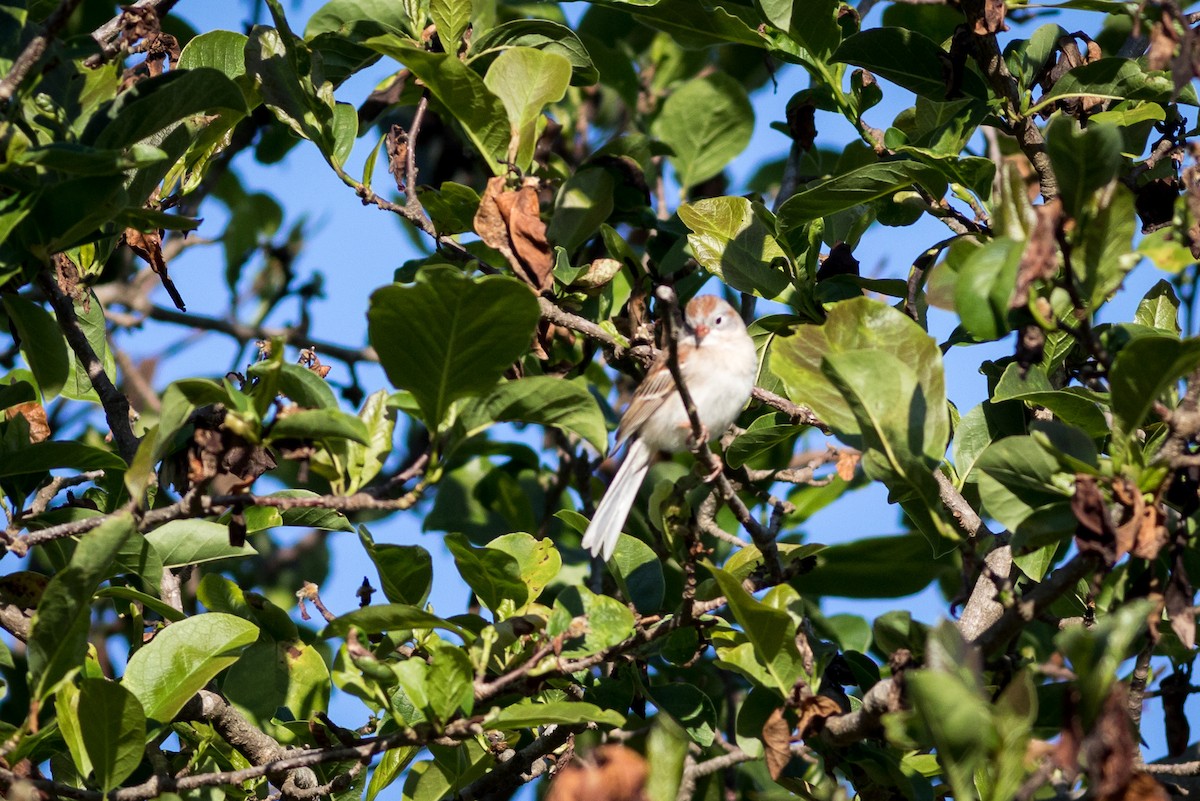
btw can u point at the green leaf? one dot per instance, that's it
(405, 571)
(1159, 308)
(448, 336)
(154, 104)
(461, 92)
(1097, 652)
(114, 730)
(223, 51)
(90, 315)
(49, 455)
(338, 16)
(454, 688)
(769, 628)
(42, 344)
(58, 633)
(451, 18)
(875, 567)
(387, 617)
(812, 23)
(863, 325)
(565, 713)
(666, 751)
(16, 393)
(985, 286)
(280, 64)
(389, 768)
(66, 710)
(493, 575)
(1074, 405)
(583, 203)
(691, 708)
(543, 400)
(850, 189)
(639, 574)
(1119, 79)
(538, 561)
(301, 516)
(1145, 369)
(1016, 479)
(608, 621)
(166, 672)
(165, 610)
(527, 80)
(1104, 251)
(703, 144)
(973, 172)
(544, 35)
(190, 542)
(320, 424)
(731, 240)
(301, 385)
(1084, 159)
(890, 408)
(907, 58)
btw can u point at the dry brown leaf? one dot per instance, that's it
(1095, 531)
(148, 247)
(527, 233)
(1039, 262)
(992, 18)
(847, 464)
(1144, 787)
(1163, 43)
(813, 711)
(1109, 747)
(510, 222)
(777, 742)
(612, 773)
(35, 415)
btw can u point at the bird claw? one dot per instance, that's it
(695, 442)
(713, 474)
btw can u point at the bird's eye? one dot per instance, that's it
(719, 320)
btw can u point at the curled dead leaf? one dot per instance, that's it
(510, 221)
(1094, 532)
(148, 247)
(813, 711)
(1039, 262)
(991, 20)
(777, 743)
(598, 273)
(35, 415)
(847, 464)
(610, 773)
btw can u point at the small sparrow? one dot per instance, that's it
(718, 362)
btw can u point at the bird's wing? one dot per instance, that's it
(658, 385)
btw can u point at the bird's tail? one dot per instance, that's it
(602, 533)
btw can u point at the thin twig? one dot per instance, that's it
(56, 485)
(36, 47)
(108, 34)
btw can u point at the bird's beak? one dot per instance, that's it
(701, 331)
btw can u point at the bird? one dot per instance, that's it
(718, 361)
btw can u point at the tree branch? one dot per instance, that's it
(1035, 601)
(36, 47)
(116, 405)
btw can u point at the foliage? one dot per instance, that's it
(557, 166)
